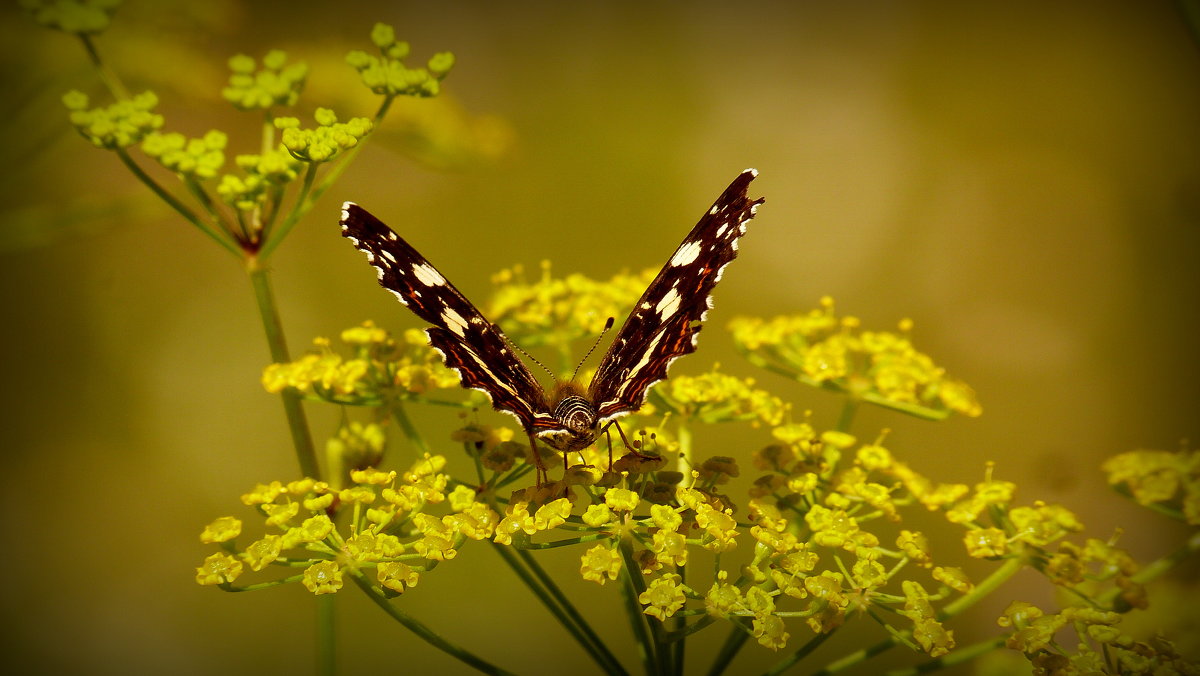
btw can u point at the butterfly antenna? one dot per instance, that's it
(607, 325)
(518, 348)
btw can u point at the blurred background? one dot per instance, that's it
(1022, 179)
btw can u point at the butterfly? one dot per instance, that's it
(663, 326)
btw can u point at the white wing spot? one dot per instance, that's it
(387, 255)
(686, 254)
(390, 236)
(713, 210)
(668, 305)
(455, 322)
(428, 276)
(721, 230)
(645, 306)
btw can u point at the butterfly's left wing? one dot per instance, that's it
(468, 342)
(666, 320)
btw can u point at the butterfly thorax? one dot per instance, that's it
(577, 415)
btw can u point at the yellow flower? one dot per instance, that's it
(324, 577)
(954, 578)
(438, 536)
(263, 494)
(915, 546)
(1043, 523)
(720, 528)
(663, 597)
(983, 543)
(478, 521)
(600, 564)
(219, 568)
(262, 552)
(723, 599)
(933, 638)
(517, 520)
(552, 514)
(669, 547)
(832, 528)
(598, 515)
(223, 529)
(621, 499)
(280, 515)
(770, 631)
(396, 576)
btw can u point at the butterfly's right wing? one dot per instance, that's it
(467, 341)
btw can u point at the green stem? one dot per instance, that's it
(302, 206)
(205, 201)
(410, 430)
(292, 406)
(176, 204)
(107, 76)
(733, 644)
(959, 656)
(326, 636)
(684, 464)
(423, 632)
(586, 635)
(655, 655)
(846, 418)
(804, 651)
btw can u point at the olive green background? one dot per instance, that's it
(1022, 179)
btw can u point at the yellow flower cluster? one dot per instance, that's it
(390, 530)
(716, 397)
(379, 368)
(556, 311)
(1169, 482)
(1100, 647)
(881, 367)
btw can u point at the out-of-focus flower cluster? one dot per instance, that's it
(197, 158)
(1099, 645)
(387, 75)
(276, 84)
(378, 368)
(558, 310)
(1165, 480)
(83, 17)
(118, 125)
(881, 367)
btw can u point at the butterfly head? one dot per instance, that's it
(576, 418)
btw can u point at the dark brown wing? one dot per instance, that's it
(665, 322)
(468, 342)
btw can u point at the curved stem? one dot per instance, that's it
(422, 632)
(292, 406)
(107, 76)
(804, 651)
(299, 209)
(176, 204)
(409, 429)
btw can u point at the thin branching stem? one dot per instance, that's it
(423, 632)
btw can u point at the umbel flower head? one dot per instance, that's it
(881, 367)
(377, 368)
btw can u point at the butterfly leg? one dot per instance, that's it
(543, 476)
(632, 449)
